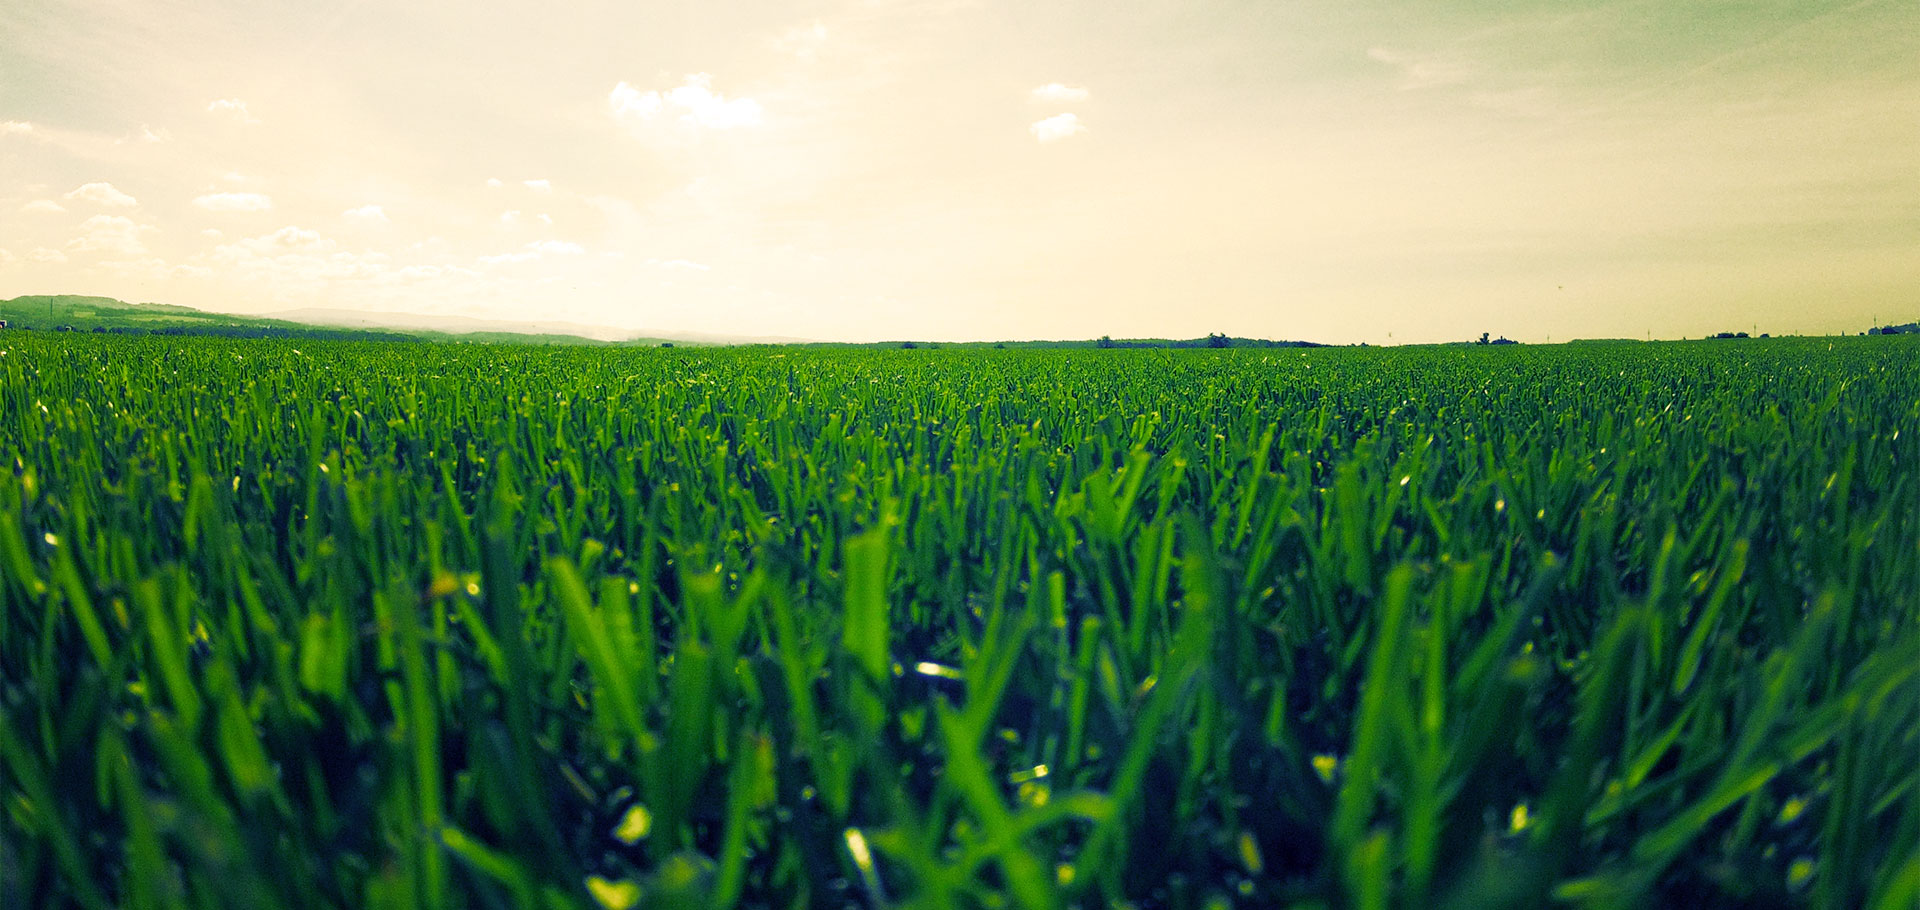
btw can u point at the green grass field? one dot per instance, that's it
(328, 624)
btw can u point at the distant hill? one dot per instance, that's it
(88, 314)
(68, 312)
(72, 313)
(468, 328)
(417, 323)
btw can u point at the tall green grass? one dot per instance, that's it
(344, 625)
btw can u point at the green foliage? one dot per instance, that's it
(322, 624)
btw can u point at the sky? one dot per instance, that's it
(1002, 169)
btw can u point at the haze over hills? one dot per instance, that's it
(87, 313)
(463, 325)
(84, 313)
(73, 312)
(69, 312)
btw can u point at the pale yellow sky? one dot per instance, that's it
(1332, 171)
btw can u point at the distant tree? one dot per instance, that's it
(1106, 341)
(1218, 340)
(908, 345)
(666, 344)
(1484, 339)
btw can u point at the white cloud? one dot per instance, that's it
(543, 185)
(511, 216)
(1056, 93)
(116, 234)
(212, 233)
(232, 107)
(545, 219)
(234, 202)
(43, 254)
(15, 127)
(103, 194)
(369, 213)
(695, 101)
(1057, 127)
(495, 182)
(42, 206)
(625, 100)
(6, 256)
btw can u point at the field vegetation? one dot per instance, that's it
(332, 624)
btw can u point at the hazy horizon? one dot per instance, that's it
(957, 170)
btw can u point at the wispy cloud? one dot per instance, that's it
(686, 264)
(295, 261)
(1419, 71)
(231, 107)
(802, 41)
(42, 206)
(539, 186)
(15, 128)
(289, 239)
(103, 194)
(1056, 93)
(1057, 127)
(536, 250)
(515, 216)
(113, 234)
(692, 103)
(372, 214)
(234, 202)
